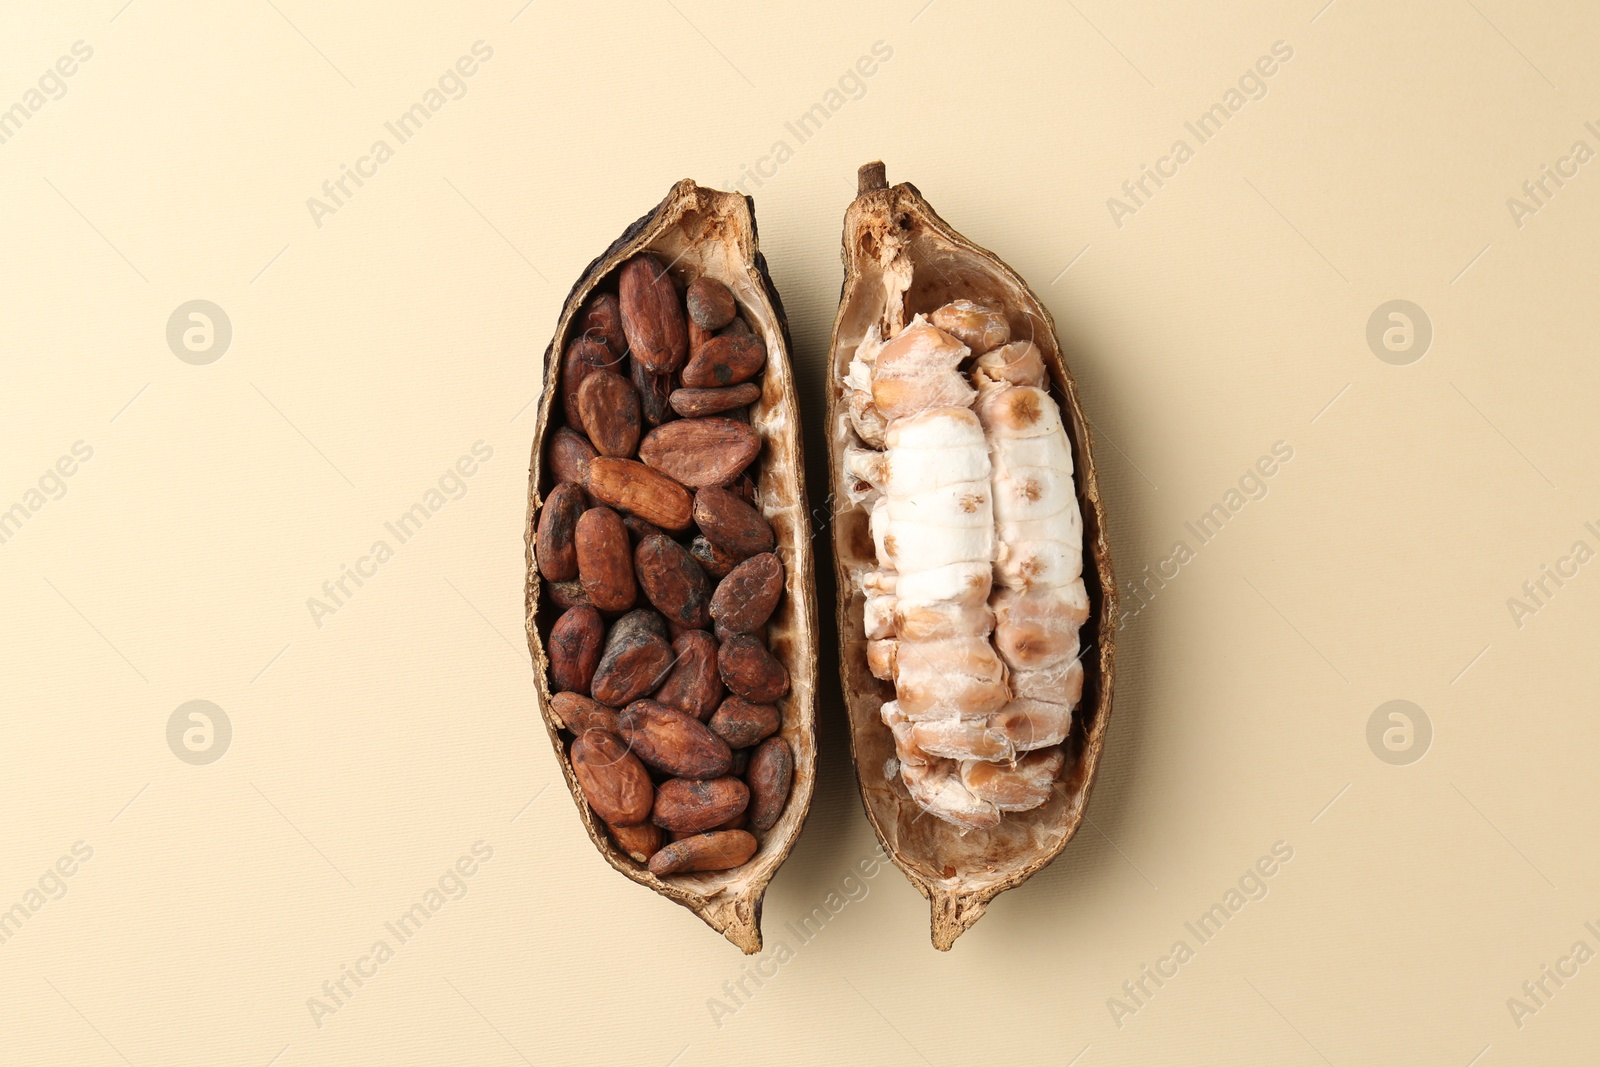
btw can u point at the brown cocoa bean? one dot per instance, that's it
(583, 356)
(699, 452)
(741, 762)
(726, 520)
(638, 529)
(713, 559)
(697, 403)
(569, 455)
(580, 714)
(698, 804)
(575, 645)
(743, 724)
(673, 582)
(737, 328)
(638, 842)
(747, 597)
(652, 314)
(629, 485)
(711, 304)
(613, 781)
(655, 393)
(608, 405)
(670, 741)
(771, 775)
(601, 319)
(605, 561)
(693, 687)
(567, 595)
(750, 671)
(636, 659)
(718, 851)
(726, 359)
(554, 545)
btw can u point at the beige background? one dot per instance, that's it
(370, 353)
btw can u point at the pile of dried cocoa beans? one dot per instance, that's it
(651, 545)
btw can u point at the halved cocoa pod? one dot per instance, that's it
(605, 561)
(743, 724)
(698, 804)
(719, 850)
(714, 559)
(749, 670)
(628, 485)
(726, 520)
(747, 597)
(697, 403)
(694, 233)
(608, 405)
(673, 582)
(636, 659)
(771, 774)
(652, 314)
(640, 842)
(672, 742)
(580, 714)
(558, 552)
(576, 641)
(726, 359)
(693, 687)
(611, 778)
(570, 453)
(902, 260)
(700, 452)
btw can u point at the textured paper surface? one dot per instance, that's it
(1417, 539)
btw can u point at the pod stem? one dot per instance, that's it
(953, 912)
(871, 178)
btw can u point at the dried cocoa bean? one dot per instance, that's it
(638, 842)
(608, 406)
(747, 597)
(698, 403)
(743, 724)
(652, 315)
(728, 521)
(670, 741)
(698, 804)
(613, 780)
(655, 393)
(693, 687)
(580, 714)
(569, 455)
(727, 359)
(601, 319)
(711, 304)
(583, 356)
(605, 561)
(750, 671)
(713, 559)
(673, 582)
(719, 851)
(629, 485)
(636, 659)
(575, 645)
(568, 595)
(554, 544)
(771, 775)
(699, 452)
